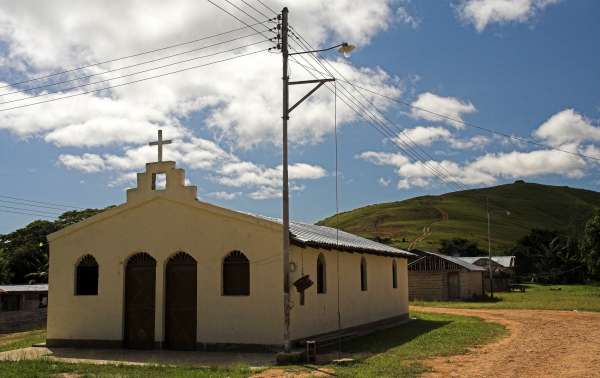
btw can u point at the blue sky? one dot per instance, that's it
(528, 68)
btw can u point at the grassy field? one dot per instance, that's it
(21, 339)
(463, 214)
(398, 352)
(542, 297)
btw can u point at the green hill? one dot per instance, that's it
(424, 221)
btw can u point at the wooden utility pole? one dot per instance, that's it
(286, 192)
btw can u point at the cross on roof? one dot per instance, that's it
(160, 143)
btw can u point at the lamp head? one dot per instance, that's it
(346, 49)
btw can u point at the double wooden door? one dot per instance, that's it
(140, 288)
(180, 302)
(453, 285)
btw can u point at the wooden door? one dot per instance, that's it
(453, 285)
(140, 283)
(180, 303)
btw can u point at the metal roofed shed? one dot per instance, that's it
(436, 277)
(22, 307)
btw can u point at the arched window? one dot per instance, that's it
(86, 276)
(394, 274)
(363, 274)
(321, 275)
(236, 274)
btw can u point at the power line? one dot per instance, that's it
(23, 213)
(420, 152)
(383, 128)
(491, 131)
(266, 6)
(133, 73)
(41, 202)
(135, 81)
(32, 205)
(132, 55)
(378, 124)
(124, 67)
(12, 208)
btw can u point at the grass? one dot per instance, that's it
(391, 353)
(400, 352)
(48, 368)
(531, 206)
(540, 297)
(21, 339)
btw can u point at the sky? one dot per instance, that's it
(526, 68)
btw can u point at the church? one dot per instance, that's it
(165, 270)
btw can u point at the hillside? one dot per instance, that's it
(463, 214)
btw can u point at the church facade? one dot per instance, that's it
(165, 270)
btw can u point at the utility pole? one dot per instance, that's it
(286, 191)
(343, 48)
(490, 271)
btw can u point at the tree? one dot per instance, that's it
(550, 257)
(460, 247)
(590, 246)
(24, 252)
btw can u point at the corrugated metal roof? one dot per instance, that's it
(328, 237)
(505, 261)
(458, 261)
(22, 288)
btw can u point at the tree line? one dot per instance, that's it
(24, 252)
(546, 256)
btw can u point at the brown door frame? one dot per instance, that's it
(145, 312)
(180, 307)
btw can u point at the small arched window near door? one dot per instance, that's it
(86, 276)
(394, 274)
(236, 274)
(363, 274)
(321, 275)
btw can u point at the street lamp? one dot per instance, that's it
(490, 271)
(344, 48)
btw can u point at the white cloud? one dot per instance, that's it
(405, 14)
(384, 182)
(481, 13)
(450, 107)
(227, 196)
(427, 135)
(567, 126)
(241, 99)
(484, 170)
(88, 163)
(226, 168)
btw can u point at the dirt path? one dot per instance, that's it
(541, 343)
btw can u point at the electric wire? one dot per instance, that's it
(125, 67)
(30, 214)
(135, 81)
(415, 154)
(132, 73)
(131, 56)
(415, 148)
(266, 6)
(380, 126)
(468, 124)
(41, 202)
(32, 205)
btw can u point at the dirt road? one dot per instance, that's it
(541, 343)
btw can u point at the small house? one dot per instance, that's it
(503, 268)
(436, 277)
(22, 307)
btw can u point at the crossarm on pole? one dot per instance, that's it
(320, 82)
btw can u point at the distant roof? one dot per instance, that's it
(505, 261)
(456, 260)
(328, 237)
(22, 288)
